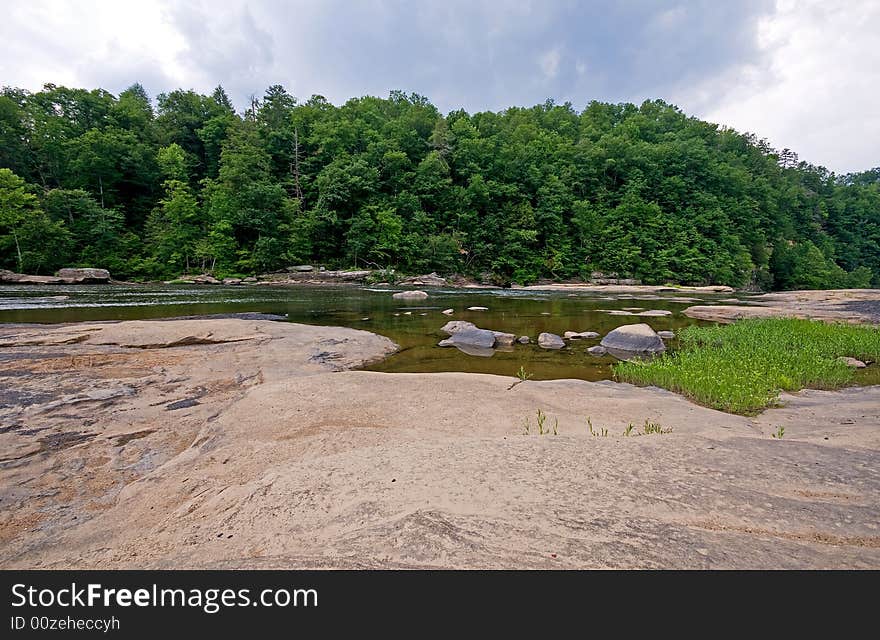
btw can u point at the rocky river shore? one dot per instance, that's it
(250, 443)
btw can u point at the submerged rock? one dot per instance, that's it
(410, 295)
(634, 338)
(480, 338)
(550, 341)
(666, 335)
(478, 308)
(598, 350)
(524, 340)
(448, 312)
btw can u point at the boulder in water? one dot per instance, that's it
(550, 341)
(634, 338)
(410, 295)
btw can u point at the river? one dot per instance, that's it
(415, 326)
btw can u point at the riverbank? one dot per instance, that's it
(248, 443)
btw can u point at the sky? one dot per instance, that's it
(804, 74)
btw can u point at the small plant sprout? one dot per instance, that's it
(523, 375)
(542, 417)
(526, 425)
(652, 427)
(629, 429)
(602, 432)
(780, 431)
(555, 426)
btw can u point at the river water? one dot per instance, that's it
(415, 326)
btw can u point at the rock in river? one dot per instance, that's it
(480, 338)
(410, 295)
(550, 341)
(583, 335)
(524, 340)
(852, 362)
(634, 338)
(454, 326)
(598, 350)
(84, 276)
(666, 335)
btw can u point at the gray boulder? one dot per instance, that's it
(582, 335)
(448, 312)
(205, 279)
(504, 339)
(479, 338)
(634, 338)
(524, 340)
(84, 276)
(666, 335)
(852, 362)
(454, 326)
(550, 341)
(410, 295)
(301, 268)
(428, 280)
(598, 350)
(231, 280)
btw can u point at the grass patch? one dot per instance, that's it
(742, 367)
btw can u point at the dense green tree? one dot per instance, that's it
(642, 191)
(30, 241)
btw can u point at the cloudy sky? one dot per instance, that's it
(805, 74)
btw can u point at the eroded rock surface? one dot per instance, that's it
(248, 450)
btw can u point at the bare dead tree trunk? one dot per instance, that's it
(101, 189)
(295, 167)
(18, 251)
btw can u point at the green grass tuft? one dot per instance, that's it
(742, 367)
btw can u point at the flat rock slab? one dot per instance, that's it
(839, 305)
(160, 451)
(443, 480)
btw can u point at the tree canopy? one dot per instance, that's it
(93, 179)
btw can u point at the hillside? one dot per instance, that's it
(93, 179)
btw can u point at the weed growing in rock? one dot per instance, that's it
(542, 425)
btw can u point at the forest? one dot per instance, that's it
(151, 191)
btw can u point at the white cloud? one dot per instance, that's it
(84, 43)
(817, 90)
(549, 62)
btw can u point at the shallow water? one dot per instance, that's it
(415, 326)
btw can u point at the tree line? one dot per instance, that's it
(190, 185)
